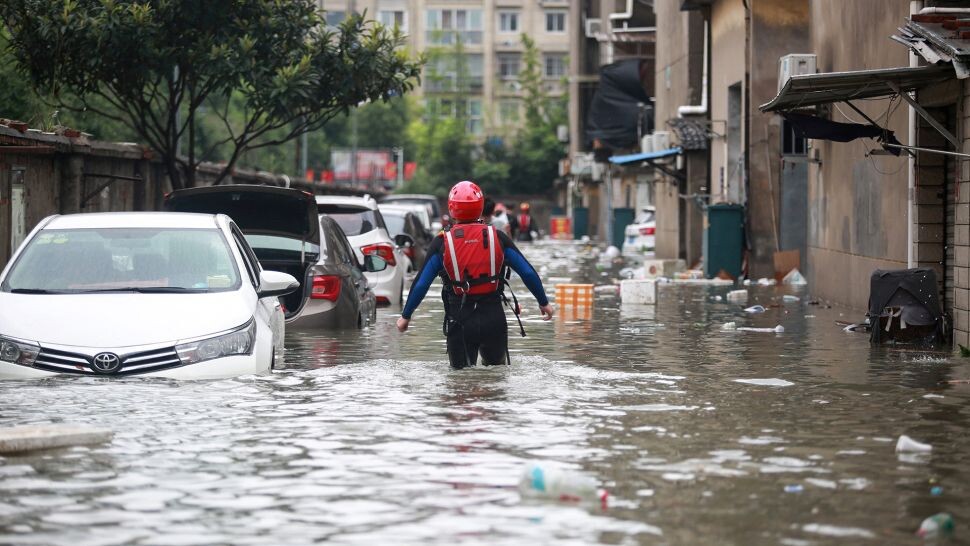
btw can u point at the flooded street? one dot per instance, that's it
(701, 436)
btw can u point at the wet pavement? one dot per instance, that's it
(700, 435)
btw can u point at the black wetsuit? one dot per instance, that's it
(477, 326)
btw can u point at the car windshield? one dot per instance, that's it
(644, 217)
(395, 223)
(121, 259)
(429, 204)
(353, 220)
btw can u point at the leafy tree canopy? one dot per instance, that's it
(152, 64)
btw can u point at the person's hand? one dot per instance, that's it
(402, 324)
(547, 311)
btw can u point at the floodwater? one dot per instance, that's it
(701, 436)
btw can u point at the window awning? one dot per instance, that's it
(809, 90)
(649, 156)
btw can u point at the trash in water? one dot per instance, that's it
(747, 282)
(718, 298)
(794, 488)
(936, 491)
(905, 443)
(729, 326)
(755, 309)
(777, 329)
(795, 278)
(769, 382)
(936, 525)
(767, 282)
(551, 482)
(606, 288)
(737, 295)
(964, 351)
(789, 298)
(627, 273)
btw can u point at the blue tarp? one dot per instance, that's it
(636, 158)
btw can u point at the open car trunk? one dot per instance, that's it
(281, 225)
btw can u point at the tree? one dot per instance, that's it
(267, 70)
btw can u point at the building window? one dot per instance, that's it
(508, 66)
(508, 21)
(508, 112)
(394, 18)
(334, 18)
(447, 73)
(555, 21)
(470, 109)
(555, 66)
(792, 143)
(447, 26)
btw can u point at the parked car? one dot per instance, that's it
(143, 293)
(403, 220)
(286, 234)
(641, 234)
(364, 227)
(429, 201)
(419, 210)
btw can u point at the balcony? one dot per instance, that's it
(451, 37)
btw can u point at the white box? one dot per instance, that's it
(662, 268)
(642, 291)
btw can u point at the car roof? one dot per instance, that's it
(399, 196)
(354, 200)
(163, 220)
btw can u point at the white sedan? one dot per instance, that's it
(640, 236)
(152, 294)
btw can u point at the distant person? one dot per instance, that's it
(500, 219)
(471, 258)
(524, 223)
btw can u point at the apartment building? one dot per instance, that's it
(489, 32)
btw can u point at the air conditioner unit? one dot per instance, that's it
(508, 43)
(794, 64)
(593, 27)
(646, 144)
(661, 140)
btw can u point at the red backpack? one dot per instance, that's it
(525, 222)
(473, 259)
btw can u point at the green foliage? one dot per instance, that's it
(267, 71)
(444, 155)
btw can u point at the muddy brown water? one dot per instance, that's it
(701, 436)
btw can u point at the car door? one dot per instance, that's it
(362, 289)
(268, 310)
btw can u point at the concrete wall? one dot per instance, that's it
(857, 204)
(728, 66)
(678, 82)
(778, 27)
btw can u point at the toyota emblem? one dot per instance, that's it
(106, 363)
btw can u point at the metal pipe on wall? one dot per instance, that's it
(915, 6)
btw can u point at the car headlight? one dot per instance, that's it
(238, 342)
(18, 352)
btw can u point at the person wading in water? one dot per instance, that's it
(472, 259)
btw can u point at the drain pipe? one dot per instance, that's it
(929, 11)
(699, 109)
(915, 6)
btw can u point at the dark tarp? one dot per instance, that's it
(615, 110)
(914, 291)
(814, 127)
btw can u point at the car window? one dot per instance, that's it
(91, 260)
(353, 220)
(349, 255)
(395, 223)
(644, 217)
(249, 260)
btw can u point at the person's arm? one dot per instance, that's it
(529, 275)
(421, 284)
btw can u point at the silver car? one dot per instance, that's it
(286, 234)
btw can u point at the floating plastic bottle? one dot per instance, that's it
(547, 481)
(936, 525)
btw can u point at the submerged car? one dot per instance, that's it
(430, 203)
(142, 293)
(287, 235)
(363, 224)
(640, 236)
(403, 220)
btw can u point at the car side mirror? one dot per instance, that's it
(374, 263)
(403, 240)
(274, 283)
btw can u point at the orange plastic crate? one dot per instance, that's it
(576, 295)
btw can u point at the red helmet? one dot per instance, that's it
(466, 201)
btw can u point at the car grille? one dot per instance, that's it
(53, 360)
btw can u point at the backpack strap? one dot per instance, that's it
(450, 244)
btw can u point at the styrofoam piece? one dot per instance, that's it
(795, 278)
(662, 268)
(905, 443)
(643, 291)
(755, 309)
(729, 326)
(776, 330)
(738, 295)
(35, 437)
